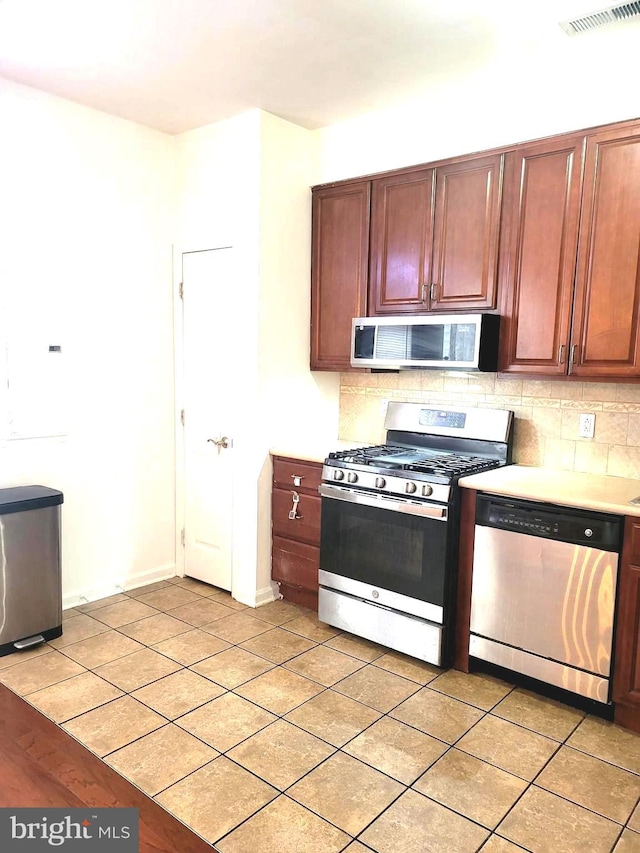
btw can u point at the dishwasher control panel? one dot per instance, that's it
(565, 524)
(512, 520)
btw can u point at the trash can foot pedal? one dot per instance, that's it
(28, 642)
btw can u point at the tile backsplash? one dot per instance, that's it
(546, 414)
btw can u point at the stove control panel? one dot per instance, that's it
(434, 417)
(387, 484)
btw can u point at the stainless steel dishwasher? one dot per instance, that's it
(544, 590)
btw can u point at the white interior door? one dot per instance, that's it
(209, 307)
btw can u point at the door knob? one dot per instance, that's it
(220, 442)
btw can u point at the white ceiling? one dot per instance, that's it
(179, 64)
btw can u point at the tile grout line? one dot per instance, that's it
(317, 644)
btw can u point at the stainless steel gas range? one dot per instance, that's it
(390, 525)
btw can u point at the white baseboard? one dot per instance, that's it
(149, 576)
(265, 595)
(132, 581)
(254, 598)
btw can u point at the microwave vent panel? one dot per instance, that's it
(605, 17)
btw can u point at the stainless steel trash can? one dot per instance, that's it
(30, 571)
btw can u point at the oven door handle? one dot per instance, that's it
(425, 510)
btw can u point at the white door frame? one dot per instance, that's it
(178, 378)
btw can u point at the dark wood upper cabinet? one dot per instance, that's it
(339, 270)
(434, 238)
(570, 257)
(606, 326)
(548, 232)
(538, 254)
(466, 234)
(401, 241)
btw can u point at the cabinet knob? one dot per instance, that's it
(297, 479)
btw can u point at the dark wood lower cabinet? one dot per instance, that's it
(626, 676)
(295, 543)
(465, 577)
(294, 565)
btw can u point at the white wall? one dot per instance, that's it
(218, 193)
(587, 80)
(245, 183)
(300, 407)
(85, 263)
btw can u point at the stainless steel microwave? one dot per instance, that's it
(442, 341)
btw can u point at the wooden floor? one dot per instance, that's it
(41, 765)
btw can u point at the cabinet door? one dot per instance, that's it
(626, 677)
(606, 328)
(538, 255)
(339, 268)
(401, 238)
(467, 225)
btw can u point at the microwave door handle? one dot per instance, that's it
(435, 511)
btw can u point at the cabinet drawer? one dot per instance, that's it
(306, 528)
(285, 472)
(295, 563)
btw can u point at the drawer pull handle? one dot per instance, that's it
(293, 512)
(297, 479)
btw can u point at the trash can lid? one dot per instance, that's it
(22, 498)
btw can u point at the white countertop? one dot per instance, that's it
(567, 488)
(315, 452)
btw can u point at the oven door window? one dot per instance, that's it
(402, 553)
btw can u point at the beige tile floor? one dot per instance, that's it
(268, 732)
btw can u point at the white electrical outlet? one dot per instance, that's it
(384, 405)
(587, 425)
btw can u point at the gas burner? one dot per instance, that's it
(426, 457)
(453, 465)
(422, 461)
(364, 455)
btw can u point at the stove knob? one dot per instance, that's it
(338, 474)
(380, 482)
(352, 477)
(426, 491)
(410, 488)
